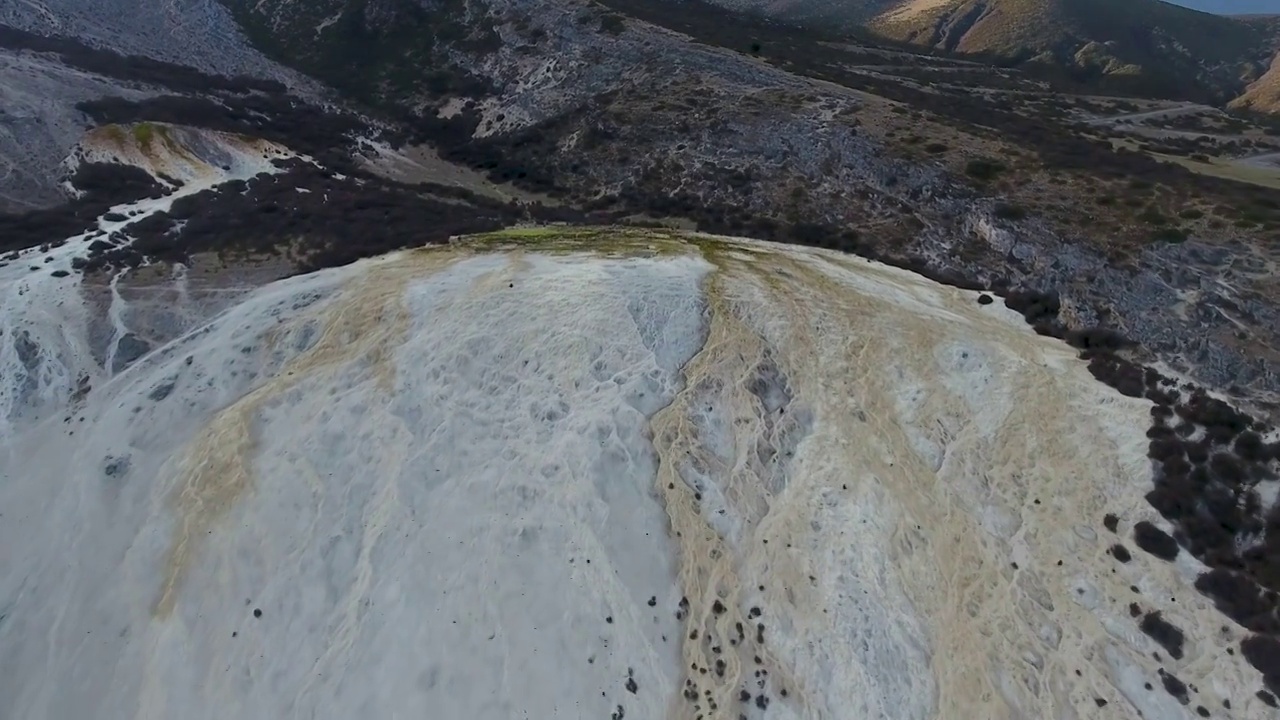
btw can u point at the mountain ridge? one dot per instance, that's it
(1147, 47)
(1165, 49)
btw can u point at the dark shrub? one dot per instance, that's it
(983, 169)
(1169, 235)
(613, 24)
(1155, 541)
(1163, 632)
(1153, 216)
(1008, 211)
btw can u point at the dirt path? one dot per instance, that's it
(1268, 160)
(1184, 109)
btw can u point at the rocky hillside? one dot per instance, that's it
(845, 14)
(196, 33)
(1263, 94)
(73, 52)
(602, 112)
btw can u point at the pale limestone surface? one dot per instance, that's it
(453, 479)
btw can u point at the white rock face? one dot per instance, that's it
(592, 476)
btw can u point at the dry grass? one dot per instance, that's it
(1216, 167)
(1228, 170)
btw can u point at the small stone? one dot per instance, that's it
(1111, 522)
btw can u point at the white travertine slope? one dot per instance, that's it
(45, 350)
(586, 475)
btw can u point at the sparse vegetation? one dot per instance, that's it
(1009, 211)
(144, 133)
(115, 133)
(984, 169)
(1152, 216)
(1169, 235)
(613, 23)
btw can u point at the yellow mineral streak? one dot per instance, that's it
(362, 325)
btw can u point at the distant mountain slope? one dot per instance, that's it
(1169, 47)
(1262, 95)
(1146, 47)
(1232, 7)
(1139, 29)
